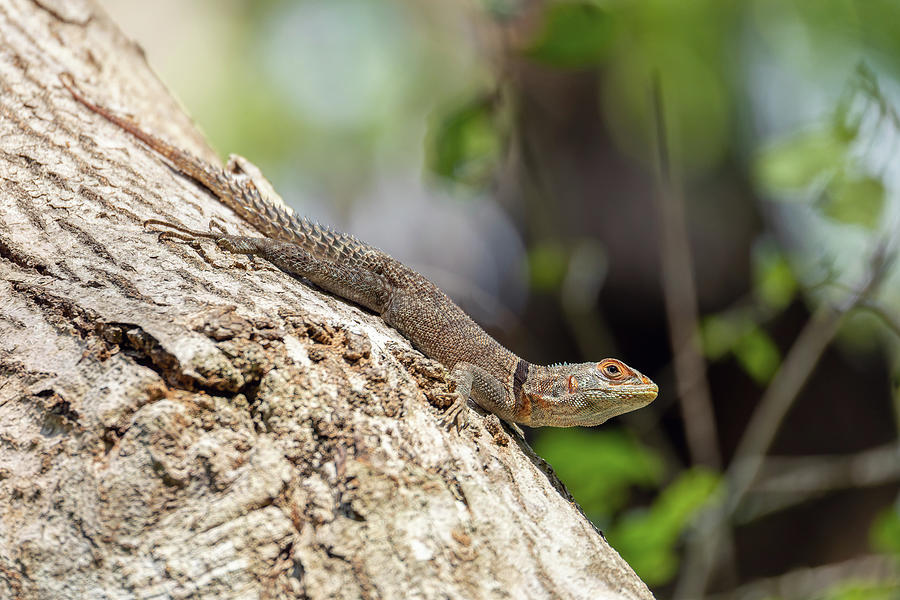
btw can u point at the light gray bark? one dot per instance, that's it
(173, 428)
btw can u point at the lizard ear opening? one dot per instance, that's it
(572, 384)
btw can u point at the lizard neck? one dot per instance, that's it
(520, 376)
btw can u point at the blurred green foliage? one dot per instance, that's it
(738, 332)
(547, 265)
(683, 42)
(885, 538)
(818, 165)
(465, 143)
(574, 34)
(825, 165)
(774, 284)
(856, 200)
(600, 467)
(862, 590)
(647, 538)
(885, 533)
(797, 161)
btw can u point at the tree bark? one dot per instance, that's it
(179, 422)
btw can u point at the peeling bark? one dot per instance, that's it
(178, 422)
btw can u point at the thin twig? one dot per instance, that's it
(707, 544)
(681, 306)
(790, 378)
(812, 582)
(786, 482)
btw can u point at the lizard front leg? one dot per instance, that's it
(487, 391)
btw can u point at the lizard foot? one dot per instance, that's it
(232, 243)
(173, 231)
(455, 417)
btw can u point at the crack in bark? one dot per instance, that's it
(21, 259)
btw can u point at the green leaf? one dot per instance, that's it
(721, 333)
(796, 162)
(736, 332)
(773, 279)
(547, 265)
(758, 355)
(465, 145)
(863, 590)
(885, 533)
(598, 467)
(855, 200)
(574, 34)
(647, 539)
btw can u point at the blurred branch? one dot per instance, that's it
(681, 306)
(706, 546)
(791, 481)
(790, 378)
(812, 582)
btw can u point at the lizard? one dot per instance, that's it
(480, 368)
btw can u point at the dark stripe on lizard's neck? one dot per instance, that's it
(520, 376)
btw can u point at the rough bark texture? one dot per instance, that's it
(177, 422)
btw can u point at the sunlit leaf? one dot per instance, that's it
(574, 34)
(758, 355)
(798, 161)
(647, 539)
(599, 467)
(465, 144)
(863, 590)
(885, 533)
(737, 333)
(773, 279)
(855, 200)
(721, 333)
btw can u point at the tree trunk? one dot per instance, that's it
(180, 422)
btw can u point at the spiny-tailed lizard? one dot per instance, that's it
(561, 395)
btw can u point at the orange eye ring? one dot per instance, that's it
(613, 369)
(572, 384)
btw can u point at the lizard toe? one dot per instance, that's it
(455, 417)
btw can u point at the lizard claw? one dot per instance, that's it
(174, 231)
(216, 227)
(170, 231)
(455, 417)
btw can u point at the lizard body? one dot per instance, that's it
(495, 378)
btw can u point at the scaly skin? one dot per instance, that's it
(496, 379)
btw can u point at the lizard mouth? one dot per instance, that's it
(645, 392)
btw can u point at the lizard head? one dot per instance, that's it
(585, 394)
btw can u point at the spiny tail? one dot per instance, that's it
(241, 196)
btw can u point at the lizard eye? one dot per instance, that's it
(572, 384)
(612, 369)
